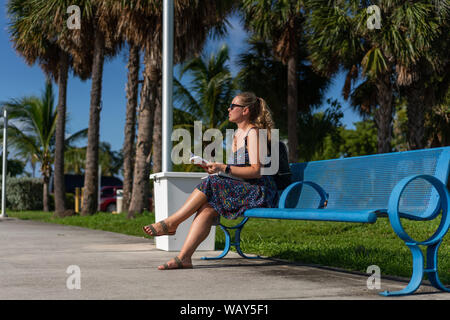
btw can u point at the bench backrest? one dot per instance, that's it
(366, 182)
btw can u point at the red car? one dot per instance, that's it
(108, 195)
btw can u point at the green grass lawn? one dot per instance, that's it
(351, 246)
(100, 221)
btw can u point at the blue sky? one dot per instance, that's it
(18, 79)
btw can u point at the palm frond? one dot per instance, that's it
(76, 137)
(185, 98)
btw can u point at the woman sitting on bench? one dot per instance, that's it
(219, 196)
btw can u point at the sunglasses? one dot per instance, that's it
(232, 106)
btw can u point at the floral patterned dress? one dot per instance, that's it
(230, 197)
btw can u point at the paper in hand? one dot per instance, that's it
(198, 160)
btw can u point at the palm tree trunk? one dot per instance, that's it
(130, 124)
(416, 116)
(139, 197)
(292, 100)
(91, 172)
(45, 194)
(157, 140)
(59, 184)
(157, 134)
(383, 115)
(46, 173)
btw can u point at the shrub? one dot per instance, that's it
(24, 193)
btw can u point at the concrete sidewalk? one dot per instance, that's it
(34, 258)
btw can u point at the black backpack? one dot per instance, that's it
(283, 176)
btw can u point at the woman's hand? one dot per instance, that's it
(215, 167)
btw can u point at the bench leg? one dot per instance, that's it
(416, 277)
(236, 243)
(432, 262)
(418, 270)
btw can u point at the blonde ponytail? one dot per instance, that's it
(264, 119)
(260, 114)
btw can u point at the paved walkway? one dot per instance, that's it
(34, 258)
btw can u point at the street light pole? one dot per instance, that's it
(167, 84)
(5, 126)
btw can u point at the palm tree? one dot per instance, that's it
(157, 132)
(105, 43)
(144, 137)
(32, 129)
(32, 39)
(425, 83)
(422, 94)
(340, 37)
(132, 89)
(88, 47)
(282, 23)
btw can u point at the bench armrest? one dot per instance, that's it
(295, 186)
(444, 200)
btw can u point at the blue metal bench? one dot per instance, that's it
(409, 185)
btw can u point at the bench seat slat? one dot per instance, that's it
(363, 216)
